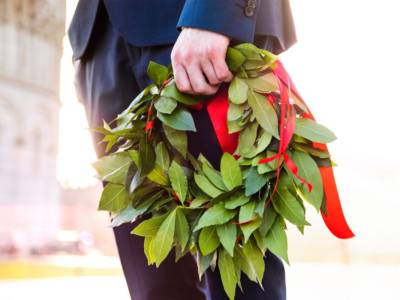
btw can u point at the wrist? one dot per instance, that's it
(200, 30)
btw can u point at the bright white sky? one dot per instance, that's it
(346, 65)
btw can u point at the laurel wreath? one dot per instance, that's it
(227, 218)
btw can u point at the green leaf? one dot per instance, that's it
(313, 131)
(253, 65)
(147, 156)
(233, 126)
(215, 215)
(133, 179)
(234, 59)
(199, 201)
(268, 57)
(277, 241)
(158, 175)
(134, 155)
(125, 216)
(228, 273)
(208, 240)
(156, 72)
(324, 162)
(147, 249)
(206, 186)
(130, 213)
(260, 241)
(264, 113)
(178, 181)
(135, 101)
(230, 171)
(214, 176)
(254, 182)
(246, 212)
(182, 228)
(249, 228)
(309, 170)
(162, 156)
(249, 50)
(165, 105)
(171, 91)
(311, 150)
(268, 220)
(203, 263)
(236, 200)
(150, 226)
(177, 138)
(247, 138)
(142, 192)
(114, 198)
(179, 119)
(227, 235)
(260, 207)
(262, 143)
(251, 261)
(238, 90)
(164, 238)
(163, 203)
(113, 168)
(266, 83)
(235, 111)
(287, 205)
(111, 141)
(171, 71)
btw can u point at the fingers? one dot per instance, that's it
(182, 80)
(199, 68)
(199, 82)
(221, 68)
(189, 77)
(209, 72)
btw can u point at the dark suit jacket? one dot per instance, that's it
(157, 22)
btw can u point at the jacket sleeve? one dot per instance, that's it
(267, 23)
(228, 17)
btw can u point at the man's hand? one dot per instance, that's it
(198, 60)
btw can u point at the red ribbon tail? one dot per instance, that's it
(334, 219)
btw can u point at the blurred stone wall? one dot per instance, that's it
(31, 33)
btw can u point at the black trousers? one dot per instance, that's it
(108, 77)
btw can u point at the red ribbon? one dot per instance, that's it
(286, 129)
(334, 218)
(217, 108)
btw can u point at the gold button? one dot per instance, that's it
(249, 11)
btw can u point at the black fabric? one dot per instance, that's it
(108, 77)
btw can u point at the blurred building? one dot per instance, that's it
(31, 32)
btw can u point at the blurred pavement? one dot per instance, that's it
(304, 281)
